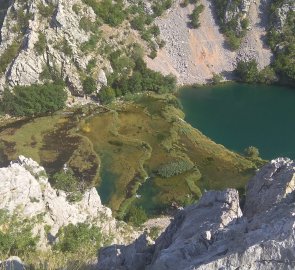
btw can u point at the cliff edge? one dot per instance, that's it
(217, 234)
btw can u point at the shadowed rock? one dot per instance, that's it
(214, 234)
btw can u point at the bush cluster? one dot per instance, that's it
(17, 238)
(175, 168)
(73, 238)
(283, 45)
(194, 17)
(33, 100)
(8, 55)
(248, 72)
(66, 181)
(132, 76)
(136, 216)
(111, 12)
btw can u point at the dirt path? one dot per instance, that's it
(194, 54)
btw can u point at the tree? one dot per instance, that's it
(247, 71)
(216, 79)
(252, 152)
(195, 16)
(106, 95)
(89, 85)
(136, 216)
(267, 75)
(34, 99)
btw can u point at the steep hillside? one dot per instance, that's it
(33, 215)
(193, 55)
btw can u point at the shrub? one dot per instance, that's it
(33, 100)
(247, 71)
(252, 152)
(90, 65)
(8, 55)
(89, 85)
(267, 75)
(73, 238)
(107, 95)
(175, 168)
(111, 13)
(40, 45)
(16, 239)
(160, 6)
(194, 17)
(136, 216)
(216, 79)
(66, 181)
(46, 10)
(66, 48)
(90, 45)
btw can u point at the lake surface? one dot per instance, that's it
(240, 115)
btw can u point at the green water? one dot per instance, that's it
(239, 115)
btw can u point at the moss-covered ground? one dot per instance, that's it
(121, 147)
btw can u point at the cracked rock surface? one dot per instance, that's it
(215, 234)
(26, 192)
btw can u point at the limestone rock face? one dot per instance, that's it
(215, 234)
(61, 28)
(25, 191)
(282, 13)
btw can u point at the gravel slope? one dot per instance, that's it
(194, 54)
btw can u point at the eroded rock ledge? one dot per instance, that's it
(216, 234)
(26, 192)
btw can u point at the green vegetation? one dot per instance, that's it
(252, 152)
(89, 85)
(8, 55)
(15, 235)
(131, 75)
(217, 78)
(282, 44)
(47, 10)
(154, 233)
(174, 168)
(65, 47)
(149, 130)
(136, 216)
(230, 28)
(73, 238)
(248, 72)
(40, 45)
(160, 6)
(112, 13)
(194, 17)
(33, 100)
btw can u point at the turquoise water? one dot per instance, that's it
(239, 115)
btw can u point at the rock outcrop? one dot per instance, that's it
(216, 234)
(26, 192)
(60, 22)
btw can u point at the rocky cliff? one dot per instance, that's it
(58, 38)
(217, 234)
(26, 193)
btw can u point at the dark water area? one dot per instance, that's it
(241, 115)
